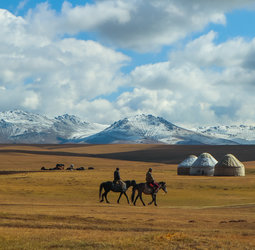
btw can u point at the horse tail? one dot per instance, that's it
(100, 190)
(133, 193)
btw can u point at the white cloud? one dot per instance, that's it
(141, 25)
(53, 75)
(31, 101)
(141, 100)
(99, 110)
(203, 51)
(83, 17)
(205, 83)
(43, 70)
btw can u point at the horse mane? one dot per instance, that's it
(162, 183)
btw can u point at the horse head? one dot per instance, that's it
(162, 185)
(130, 183)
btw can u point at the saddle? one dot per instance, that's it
(149, 186)
(152, 186)
(119, 186)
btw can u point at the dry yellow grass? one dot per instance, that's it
(61, 209)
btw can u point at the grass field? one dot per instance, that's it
(61, 209)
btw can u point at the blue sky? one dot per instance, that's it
(189, 61)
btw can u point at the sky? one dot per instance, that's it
(191, 62)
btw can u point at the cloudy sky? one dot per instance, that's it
(189, 61)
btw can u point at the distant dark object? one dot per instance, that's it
(71, 167)
(191, 221)
(80, 168)
(59, 166)
(91, 168)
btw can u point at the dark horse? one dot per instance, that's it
(110, 186)
(144, 188)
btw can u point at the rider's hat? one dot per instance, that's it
(150, 169)
(117, 169)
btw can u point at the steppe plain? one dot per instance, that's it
(61, 209)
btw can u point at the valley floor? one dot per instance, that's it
(61, 209)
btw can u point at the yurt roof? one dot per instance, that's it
(230, 160)
(205, 160)
(188, 161)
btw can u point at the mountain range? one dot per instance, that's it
(25, 127)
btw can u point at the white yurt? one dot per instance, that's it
(229, 166)
(184, 167)
(204, 165)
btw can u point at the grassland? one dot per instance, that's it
(61, 209)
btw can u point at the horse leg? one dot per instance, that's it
(103, 197)
(136, 199)
(118, 201)
(126, 197)
(106, 198)
(141, 199)
(152, 196)
(155, 201)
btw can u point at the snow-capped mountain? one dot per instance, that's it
(242, 134)
(151, 129)
(72, 128)
(19, 126)
(25, 127)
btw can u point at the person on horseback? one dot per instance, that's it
(116, 176)
(117, 180)
(150, 180)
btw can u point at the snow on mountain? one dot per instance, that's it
(17, 117)
(72, 128)
(151, 129)
(19, 126)
(25, 127)
(242, 134)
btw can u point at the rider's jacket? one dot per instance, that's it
(149, 177)
(116, 175)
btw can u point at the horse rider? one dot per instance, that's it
(150, 180)
(117, 180)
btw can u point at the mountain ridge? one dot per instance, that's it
(148, 129)
(17, 126)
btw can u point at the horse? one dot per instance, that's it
(110, 186)
(146, 189)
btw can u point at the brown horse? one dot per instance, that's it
(146, 189)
